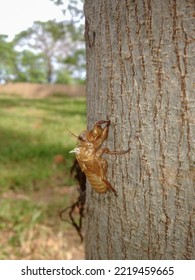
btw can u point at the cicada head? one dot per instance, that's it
(85, 140)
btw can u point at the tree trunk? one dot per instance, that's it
(141, 76)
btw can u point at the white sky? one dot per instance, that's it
(18, 15)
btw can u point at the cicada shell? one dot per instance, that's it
(89, 156)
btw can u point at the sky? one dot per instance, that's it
(18, 15)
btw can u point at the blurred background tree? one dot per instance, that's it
(47, 52)
(30, 67)
(7, 59)
(74, 8)
(74, 20)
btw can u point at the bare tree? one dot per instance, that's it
(140, 76)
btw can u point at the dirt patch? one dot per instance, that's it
(42, 90)
(55, 239)
(42, 243)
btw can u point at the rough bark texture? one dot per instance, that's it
(141, 76)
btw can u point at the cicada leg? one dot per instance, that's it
(107, 151)
(103, 171)
(104, 166)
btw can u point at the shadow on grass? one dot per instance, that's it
(15, 146)
(58, 105)
(23, 159)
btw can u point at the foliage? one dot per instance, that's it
(31, 68)
(46, 51)
(54, 42)
(64, 77)
(74, 7)
(7, 57)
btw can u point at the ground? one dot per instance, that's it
(54, 239)
(35, 183)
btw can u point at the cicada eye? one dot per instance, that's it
(80, 138)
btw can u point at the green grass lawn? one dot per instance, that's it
(35, 163)
(32, 133)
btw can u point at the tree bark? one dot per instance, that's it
(140, 76)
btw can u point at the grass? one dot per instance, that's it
(34, 169)
(32, 133)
